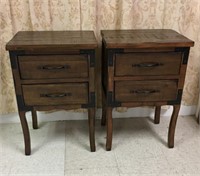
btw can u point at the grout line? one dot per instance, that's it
(65, 150)
(117, 163)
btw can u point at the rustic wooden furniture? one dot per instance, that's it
(143, 68)
(53, 70)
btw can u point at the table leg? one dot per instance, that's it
(91, 120)
(172, 125)
(109, 128)
(157, 115)
(34, 119)
(103, 119)
(27, 142)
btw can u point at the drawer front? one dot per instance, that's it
(133, 64)
(53, 66)
(131, 91)
(55, 94)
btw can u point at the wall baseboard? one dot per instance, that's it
(68, 115)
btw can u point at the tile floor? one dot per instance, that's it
(139, 148)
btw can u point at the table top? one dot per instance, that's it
(144, 38)
(52, 39)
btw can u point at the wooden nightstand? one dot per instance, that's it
(143, 68)
(53, 70)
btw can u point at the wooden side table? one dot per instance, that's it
(143, 68)
(53, 70)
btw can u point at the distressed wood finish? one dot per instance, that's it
(52, 40)
(61, 66)
(145, 39)
(55, 94)
(143, 68)
(53, 70)
(148, 64)
(131, 91)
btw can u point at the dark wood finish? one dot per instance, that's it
(172, 125)
(55, 94)
(109, 123)
(27, 140)
(53, 70)
(131, 91)
(91, 120)
(53, 66)
(143, 68)
(52, 40)
(145, 38)
(157, 115)
(34, 119)
(148, 64)
(103, 119)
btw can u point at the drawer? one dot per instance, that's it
(55, 94)
(131, 64)
(53, 66)
(131, 91)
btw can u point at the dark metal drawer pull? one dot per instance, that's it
(145, 91)
(55, 67)
(56, 95)
(147, 64)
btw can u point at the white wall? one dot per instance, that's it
(66, 115)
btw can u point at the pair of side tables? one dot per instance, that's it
(56, 70)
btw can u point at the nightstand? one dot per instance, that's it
(143, 68)
(53, 70)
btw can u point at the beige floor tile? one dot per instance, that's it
(78, 155)
(148, 153)
(104, 171)
(48, 147)
(139, 149)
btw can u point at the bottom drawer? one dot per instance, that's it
(130, 91)
(55, 94)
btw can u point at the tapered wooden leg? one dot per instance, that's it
(109, 128)
(91, 120)
(103, 119)
(34, 119)
(172, 125)
(157, 115)
(27, 142)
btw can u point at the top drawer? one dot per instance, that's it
(53, 66)
(161, 63)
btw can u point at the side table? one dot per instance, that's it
(143, 68)
(53, 70)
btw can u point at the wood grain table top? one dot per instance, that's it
(145, 38)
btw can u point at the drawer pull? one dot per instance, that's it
(55, 67)
(56, 95)
(145, 91)
(147, 64)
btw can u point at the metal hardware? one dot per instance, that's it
(144, 91)
(91, 54)
(185, 51)
(178, 98)
(147, 65)
(92, 101)
(111, 102)
(111, 53)
(56, 95)
(21, 105)
(55, 67)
